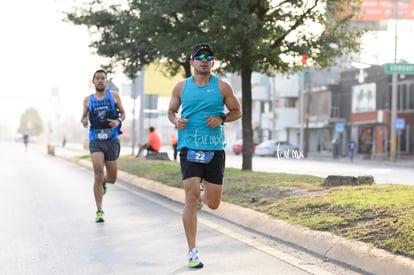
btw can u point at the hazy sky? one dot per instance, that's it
(39, 52)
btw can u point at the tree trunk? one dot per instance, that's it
(246, 75)
(187, 68)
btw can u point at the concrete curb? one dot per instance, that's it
(353, 253)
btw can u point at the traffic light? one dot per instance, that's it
(304, 59)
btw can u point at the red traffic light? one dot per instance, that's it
(304, 59)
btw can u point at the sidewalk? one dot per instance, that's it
(353, 253)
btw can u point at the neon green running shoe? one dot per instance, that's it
(194, 260)
(104, 187)
(100, 215)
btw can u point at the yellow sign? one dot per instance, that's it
(158, 82)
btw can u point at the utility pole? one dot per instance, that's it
(134, 95)
(302, 110)
(307, 113)
(137, 88)
(394, 91)
(133, 140)
(142, 107)
(304, 131)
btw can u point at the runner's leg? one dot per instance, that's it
(212, 194)
(189, 216)
(98, 169)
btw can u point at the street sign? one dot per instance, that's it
(135, 89)
(112, 87)
(339, 127)
(399, 123)
(399, 68)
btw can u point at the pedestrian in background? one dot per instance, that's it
(201, 139)
(25, 140)
(105, 113)
(64, 141)
(153, 144)
(351, 150)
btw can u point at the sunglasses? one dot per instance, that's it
(202, 56)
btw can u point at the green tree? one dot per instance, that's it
(249, 35)
(30, 122)
(116, 34)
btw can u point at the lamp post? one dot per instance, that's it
(304, 115)
(133, 129)
(393, 148)
(137, 89)
(302, 110)
(142, 107)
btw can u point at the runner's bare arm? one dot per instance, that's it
(84, 118)
(175, 103)
(115, 122)
(231, 102)
(121, 109)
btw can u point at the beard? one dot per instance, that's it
(98, 89)
(200, 72)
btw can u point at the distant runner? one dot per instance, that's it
(106, 113)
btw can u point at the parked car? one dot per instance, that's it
(237, 147)
(275, 148)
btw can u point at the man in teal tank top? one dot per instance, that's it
(201, 141)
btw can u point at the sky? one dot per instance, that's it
(39, 54)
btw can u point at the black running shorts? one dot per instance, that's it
(212, 172)
(110, 147)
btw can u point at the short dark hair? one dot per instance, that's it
(99, 71)
(151, 129)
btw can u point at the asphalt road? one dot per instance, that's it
(48, 227)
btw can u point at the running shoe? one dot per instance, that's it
(100, 215)
(200, 202)
(104, 187)
(194, 260)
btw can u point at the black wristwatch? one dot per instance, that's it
(223, 117)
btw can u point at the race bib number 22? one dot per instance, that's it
(200, 156)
